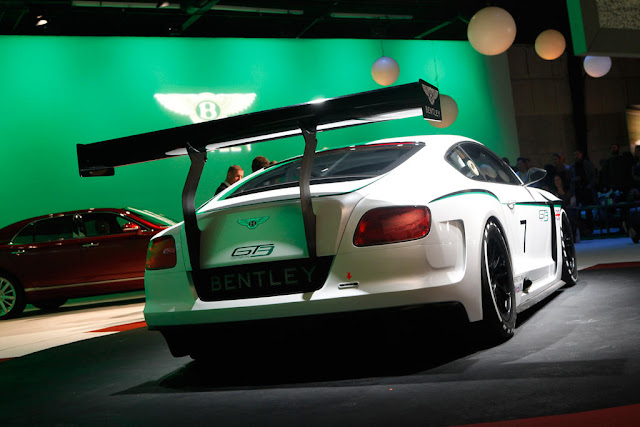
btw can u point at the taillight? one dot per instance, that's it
(393, 224)
(161, 253)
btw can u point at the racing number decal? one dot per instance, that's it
(524, 239)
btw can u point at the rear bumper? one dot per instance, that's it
(233, 338)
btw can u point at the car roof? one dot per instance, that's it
(442, 141)
(19, 224)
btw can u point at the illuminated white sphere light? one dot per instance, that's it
(449, 109)
(491, 30)
(550, 44)
(385, 71)
(597, 66)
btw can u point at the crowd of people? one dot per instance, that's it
(582, 184)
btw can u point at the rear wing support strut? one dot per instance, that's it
(191, 229)
(198, 160)
(308, 216)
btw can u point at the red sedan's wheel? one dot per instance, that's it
(12, 300)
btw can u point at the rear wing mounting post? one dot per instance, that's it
(308, 216)
(191, 229)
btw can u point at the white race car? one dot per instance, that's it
(396, 223)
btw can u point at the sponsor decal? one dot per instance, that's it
(206, 106)
(253, 251)
(558, 213)
(252, 223)
(543, 215)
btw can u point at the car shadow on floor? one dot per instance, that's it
(337, 355)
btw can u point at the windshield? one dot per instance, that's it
(343, 164)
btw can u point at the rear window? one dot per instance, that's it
(343, 164)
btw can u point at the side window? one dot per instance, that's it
(122, 220)
(101, 224)
(26, 235)
(463, 163)
(491, 167)
(52, 229)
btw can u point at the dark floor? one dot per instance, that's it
(577, 351)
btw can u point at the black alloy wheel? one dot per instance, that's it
(498, 290)
(569, 265)
(12, 301)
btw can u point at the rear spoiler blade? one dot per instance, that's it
(408, 100)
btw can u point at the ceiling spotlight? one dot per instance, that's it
(41, 21)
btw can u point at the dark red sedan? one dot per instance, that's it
(48, 259)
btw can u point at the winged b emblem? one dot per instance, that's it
(206, 106)
(431, 93)
(252, 223)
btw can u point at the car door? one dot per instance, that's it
(48, 253)
(111, 252)
(528, 220)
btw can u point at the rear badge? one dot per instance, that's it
(252, 223)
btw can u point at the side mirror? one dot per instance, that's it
(535, 175)
(130, 226)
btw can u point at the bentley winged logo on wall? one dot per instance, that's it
(202, 107)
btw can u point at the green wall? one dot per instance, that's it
(56, 92)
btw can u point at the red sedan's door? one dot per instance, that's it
(48, 254)
(111, 254)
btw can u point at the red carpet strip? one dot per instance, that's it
(621, 416)
(614, 265)
(121, 328)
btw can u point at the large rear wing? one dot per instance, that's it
(408, 100)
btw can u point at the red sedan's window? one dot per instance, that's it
(46, 230)
(27, 235)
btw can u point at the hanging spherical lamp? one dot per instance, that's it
(385, 71)
(449, 109)
(550, 44)
(491, 30)
(597, 66)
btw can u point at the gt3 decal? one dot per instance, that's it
(543, 215)
(253, 251)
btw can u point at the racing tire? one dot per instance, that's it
(569, 264)
(498, 290)
(50, 304)
(12, 298)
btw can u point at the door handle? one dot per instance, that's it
(90, 245)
